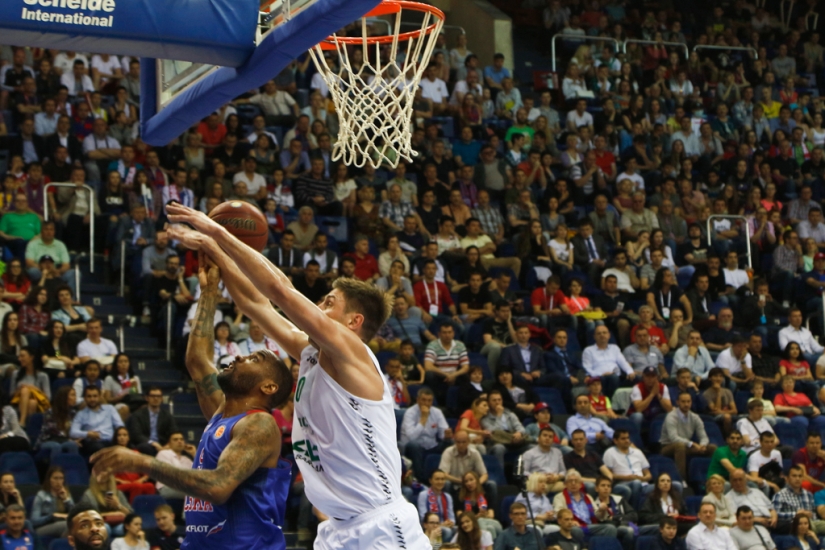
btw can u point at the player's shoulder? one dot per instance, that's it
(254, 423)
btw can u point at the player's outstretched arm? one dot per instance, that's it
(332, 337)
(254, 305)
(256, 442)
(200, 352)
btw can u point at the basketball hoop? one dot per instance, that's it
(375, 103)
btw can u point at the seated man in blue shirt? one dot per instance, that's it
(15, 536)
(96, 424)
(599, 435)
(424, 431)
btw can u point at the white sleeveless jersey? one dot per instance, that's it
(345, 446)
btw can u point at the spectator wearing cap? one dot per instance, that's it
(546, 459)
(649, 398)
(683, 433)
(605, 360)
(795, 332)
(543, 416)
(19, 226)
(55, 250)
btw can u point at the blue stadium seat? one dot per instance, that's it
(714, 433)
(144, 506)
(475, 336)
(741, 399)
(494, 469)
(399, 418)
(627, 424)
(655, 433)
(604, 543)
(644, 542)
(60, 544)
(692, 504)
(698, 473)
(384, 357)
(504, 512)
(661, 464)
(452, 398)
(481, 361)
(552, 397)
(431, 463)
(74, 467)
(33, 426)
(784, 542)
(22, 466)
(791, 434)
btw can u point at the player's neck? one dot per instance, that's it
(241, 405)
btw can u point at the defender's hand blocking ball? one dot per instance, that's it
(244, 221)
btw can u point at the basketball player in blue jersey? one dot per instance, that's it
(237, 487)
(343, 432)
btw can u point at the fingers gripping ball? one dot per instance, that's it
(243, 220)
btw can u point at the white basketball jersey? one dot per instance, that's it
(345, 446)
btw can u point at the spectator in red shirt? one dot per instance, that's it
(212, 132)
(657, 335)
(433, 297)
(811, 458)
(366, 266)
(548, 304)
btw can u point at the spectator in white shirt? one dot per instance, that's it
(795, 332)
(95, 347)
(688, 137)
(766, 454)
(736, 362)
(76, 80)
(434, 89)
(813, 227)
(174, 456)
(579, 117)
(707, 534)
(628, 464)
(255, 183)
(753, 426)
(735, 276)
(105, 68)
(605, 360)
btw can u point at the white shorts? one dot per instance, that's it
(392, 526)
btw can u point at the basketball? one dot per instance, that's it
(244, 221)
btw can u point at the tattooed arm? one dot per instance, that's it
(200, 353)
(256, 443)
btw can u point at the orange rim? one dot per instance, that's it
(385, 8)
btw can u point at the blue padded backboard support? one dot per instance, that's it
(276, 51)
(218, 32)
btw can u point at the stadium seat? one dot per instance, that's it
(604, 543)
(481, 361)
(784, 542)
(60, 544)
(644, 542)
(552, 397)
(144, 506)
(452, 398)
(494, 469)
(506, 502)
(698, 473)
(791, 434)
(692, 504)
(661, 464)
(714, 433)
(627, 424)
(33, 426)
(431, 463)
(741, 399)
(384, 357)
(74, 467)
(399, 418)
(655, 433)
(21, 465)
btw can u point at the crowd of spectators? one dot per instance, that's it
(615, 281)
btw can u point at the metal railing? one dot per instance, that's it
(122, 292)
(639, 41)
(169, 329)
(738, 48)
(576, 38)
(747, 232)
(91, 221)
(77, 280)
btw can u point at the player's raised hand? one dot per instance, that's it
(179, 213)
(115, 459)
(190, 238)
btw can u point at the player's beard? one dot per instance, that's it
(235, 384)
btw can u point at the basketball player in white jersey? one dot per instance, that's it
(344, 425)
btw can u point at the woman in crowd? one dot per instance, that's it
(122, 388)
(214, 190)
(471, 498)
(12, 436)
(663, 501)
(73, 318)
(551, 219)
(515, 398)
(345, 188)
(34, 316)
(132, 484)
(57, 353)
(470, 420)
(636, 251)
(225, 349)
(368, 222)
(32, 388)
(797, 406)
(471, 263)
(263, 152)
(52, 504)
(11, 340)
(470, 536)
(725, 516)
(432, 529)
(16, 283)
(9, 494)
(104, 497)
(665, 295)
(541, 506)
(89, 377)
(657, 242)
(793, 364)
(134, 537)
(54, 435)
(560, 249)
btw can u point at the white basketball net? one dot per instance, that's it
(375, 103)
